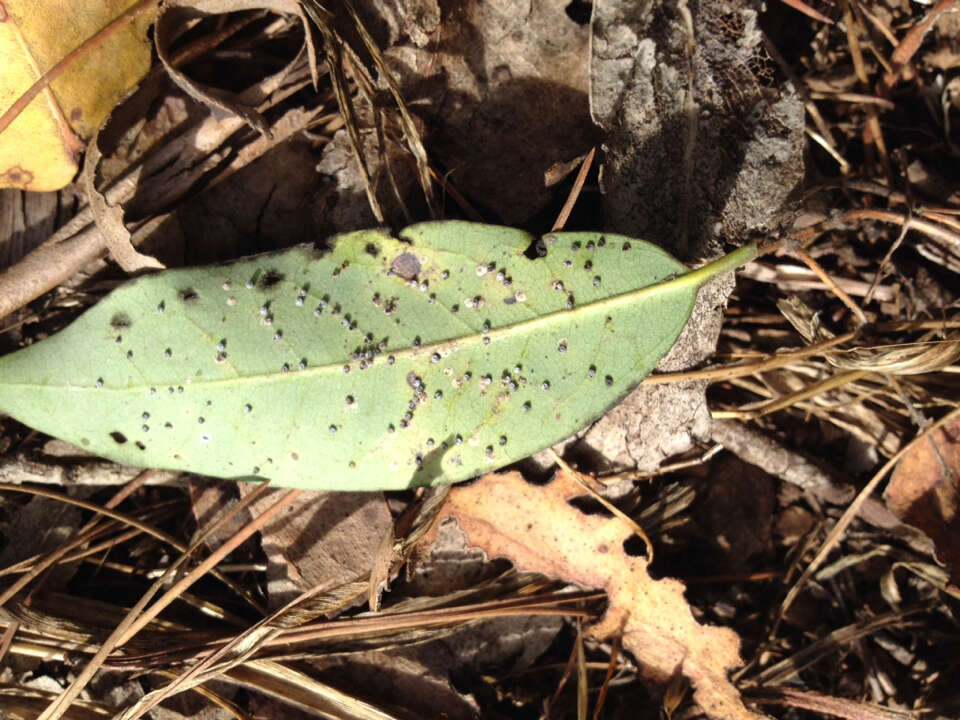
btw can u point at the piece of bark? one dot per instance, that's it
(26, 220)
(503, 90)
(87, 470)
(701, 152)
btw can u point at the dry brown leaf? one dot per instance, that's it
(322, 538)
(540, 531)
(179, 16)
(923, 492)
(109, 220)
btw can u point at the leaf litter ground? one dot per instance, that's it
(873, 624)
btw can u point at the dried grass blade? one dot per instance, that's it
(410, 133)
(801, 6)
(138, 616)
(295, 688)
(332, 48)
(851, 512)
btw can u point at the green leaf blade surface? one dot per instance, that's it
(382, 364)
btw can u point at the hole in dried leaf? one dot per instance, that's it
(635, 546)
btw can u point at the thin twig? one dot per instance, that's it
(830, 283)
(574, 192)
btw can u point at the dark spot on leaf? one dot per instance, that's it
(141, 446)
(372, 249)
(510, 300)
(188, 295)
(406, 265)
(120, 320)
(269, 278)
(118, 437)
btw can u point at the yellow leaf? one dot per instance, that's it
(40, 148)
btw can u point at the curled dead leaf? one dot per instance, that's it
(109, 220)
(923, 491)
(540, 531)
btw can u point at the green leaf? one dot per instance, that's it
(384, 363)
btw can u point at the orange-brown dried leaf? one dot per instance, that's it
(538, 529)
(923, 491)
